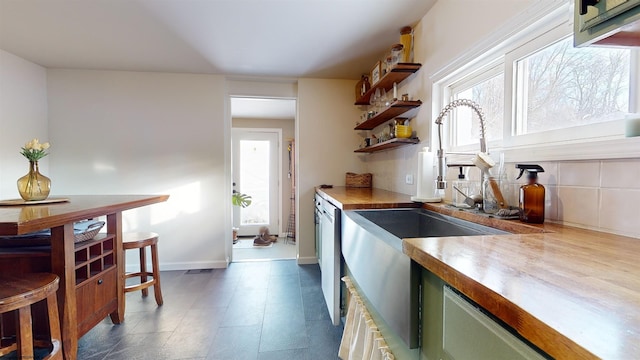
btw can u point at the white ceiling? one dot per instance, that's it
(282, 38)
(254, 38)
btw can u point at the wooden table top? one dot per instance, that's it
(574, 293)
(366, 198)
(16, 220)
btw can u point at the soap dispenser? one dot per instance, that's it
(531, 195)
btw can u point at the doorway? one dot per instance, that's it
(261, 166)
(255, 172)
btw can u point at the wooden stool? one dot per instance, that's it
(17, 294)
(141, 241)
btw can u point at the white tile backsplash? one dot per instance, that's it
(619, 211)
(551, 202)
(620, 174)
(599, 195)
(550, 174)
(578, 205)
(579, 173)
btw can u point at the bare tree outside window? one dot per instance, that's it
(537, 90)
(569, 87)
(489, 94)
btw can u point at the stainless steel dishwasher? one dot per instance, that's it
(330, 258)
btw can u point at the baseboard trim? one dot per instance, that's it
(182, 266)
(306, 260)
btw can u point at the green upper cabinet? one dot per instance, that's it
(607, 22)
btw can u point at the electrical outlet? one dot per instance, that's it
(409, 179)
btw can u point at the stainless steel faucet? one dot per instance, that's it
(442, 168)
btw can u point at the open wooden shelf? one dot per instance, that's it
(396, 75)
(389, 144)
(397, 108)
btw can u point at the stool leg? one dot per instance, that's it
(143, 269)
(156, 274)
(24, 333)
(54, 327)
(124, 286)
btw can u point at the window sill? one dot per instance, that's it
(616, 148)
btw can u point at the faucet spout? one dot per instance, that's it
(442, 168)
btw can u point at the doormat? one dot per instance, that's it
(248, 244)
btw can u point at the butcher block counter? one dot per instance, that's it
(574, 293)
(365, 198)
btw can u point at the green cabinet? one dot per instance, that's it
(607, 22)
(432, 288)
(454, 328)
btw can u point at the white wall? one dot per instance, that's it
(326, 141)
(287, 127)
(139, 133)
(443, 34)
(594, 194)
(118, 132)
(23, 116)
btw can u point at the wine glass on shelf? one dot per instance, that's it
(384, 99)
(375, 100)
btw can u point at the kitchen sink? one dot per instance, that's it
(413, 223)
(372, 250)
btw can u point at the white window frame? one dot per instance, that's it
(543, 23)
(488, 71)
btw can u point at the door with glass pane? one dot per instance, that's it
(255, 173)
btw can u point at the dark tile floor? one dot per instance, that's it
(252, 310)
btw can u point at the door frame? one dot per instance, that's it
(272, 88)
(279, 169)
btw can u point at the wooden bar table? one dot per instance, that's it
(102, 256)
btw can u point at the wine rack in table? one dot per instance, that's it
(96, 286)
(94, 257)
(95, 270)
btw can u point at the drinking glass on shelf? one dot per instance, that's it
(375, 100)
(384, 99)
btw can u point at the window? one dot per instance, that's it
(536, 88)
(488, 92)
(560, 87)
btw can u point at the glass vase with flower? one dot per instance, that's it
(34, 186)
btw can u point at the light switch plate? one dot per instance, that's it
(409, 179)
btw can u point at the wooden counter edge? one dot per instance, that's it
(512, 226)
(538, 333)
(77, 215)
(362, 205)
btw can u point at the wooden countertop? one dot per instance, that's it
(574, 293)
(365, 198)
(16, 220)
(62, 261)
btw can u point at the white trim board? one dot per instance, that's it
(181, 266)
